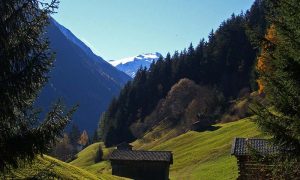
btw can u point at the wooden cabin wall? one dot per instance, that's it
(250, 169)
(141, 170)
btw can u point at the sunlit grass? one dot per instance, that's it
(86, 160)
(48, 164)
(196, 155)
(207, 154)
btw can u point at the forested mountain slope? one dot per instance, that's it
(225, 64)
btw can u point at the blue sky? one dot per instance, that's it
(116, 29)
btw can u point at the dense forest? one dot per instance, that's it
(224, 64)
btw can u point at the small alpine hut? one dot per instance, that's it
(249, 166)
(140, 165)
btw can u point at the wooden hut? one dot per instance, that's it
(140, 165)
(249, 166)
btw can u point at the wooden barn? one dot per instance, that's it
(250, 167)
(140, 165)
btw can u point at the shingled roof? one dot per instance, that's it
(244, 146)
(128, 155)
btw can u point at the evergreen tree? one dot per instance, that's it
(279, 70)
(74, 135)
(25, 59)
(95, 137)
(256, 22)
(191, 50)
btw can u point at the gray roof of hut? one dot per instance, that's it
(245, 146)
(128, 155)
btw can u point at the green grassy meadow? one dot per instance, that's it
(59, 169)
(196, 155)
(85, 160)
(47, 164)
(199, 155)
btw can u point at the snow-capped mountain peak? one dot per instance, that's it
(130, 65)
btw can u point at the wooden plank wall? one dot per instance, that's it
(250, 169)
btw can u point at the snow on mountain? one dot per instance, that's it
(131, 65)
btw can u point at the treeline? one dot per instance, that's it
(225, 62)
(70, 144)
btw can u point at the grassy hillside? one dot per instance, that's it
(47, 164)
(196, 154)
(205, 154)
(43, 166)
(87, 156)
(86, 160)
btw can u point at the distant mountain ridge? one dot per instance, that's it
(70, 36)
(79, 77)
(131, 65)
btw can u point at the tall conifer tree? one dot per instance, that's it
(25, 59)
(279, 68)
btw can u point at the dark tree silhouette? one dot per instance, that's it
(25, 60)
(279, 70)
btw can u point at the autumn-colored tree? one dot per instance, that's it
(84, 138)
(63, 149)
(264, 66)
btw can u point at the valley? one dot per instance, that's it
(224, 107)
